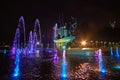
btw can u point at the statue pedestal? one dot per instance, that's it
(62, 42)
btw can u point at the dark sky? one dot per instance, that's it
(93, 16)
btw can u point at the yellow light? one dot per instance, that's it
(83, 43)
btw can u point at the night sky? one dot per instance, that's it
(93, 17)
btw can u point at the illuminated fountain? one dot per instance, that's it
(55, 35)
(101, 65)
(99, 59)
(38, 46)
(16, 41)
(55, 28)
(37, 34)
(117, 52)
(64, 75)
(34, 44)
(62, 36)
(17, 65)
(19, 42)
(35, 40)
(111, 51)
(30, 44)
(21, 26)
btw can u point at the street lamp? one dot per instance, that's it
(83, 43)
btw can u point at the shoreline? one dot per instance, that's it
(94, 49)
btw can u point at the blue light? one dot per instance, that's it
(5, 51)
(102, 75)
(64, 75)
(64, 72)
(17, 70)
(101, 65)
(64, 67)
(117, 52)
(49, 50)
(111, 51)
(103, 70)
(13, 50)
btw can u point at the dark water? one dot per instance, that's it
(80, 66)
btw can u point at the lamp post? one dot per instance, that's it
(96, 42)
(91, 43)
(101, 43)
(105, 44)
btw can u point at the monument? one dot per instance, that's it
(64, 34)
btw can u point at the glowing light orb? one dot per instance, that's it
(38, 43)
(69, 48)
(83, 43)
(103, 71)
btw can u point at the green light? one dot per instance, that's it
(117, 67)
(63, 47)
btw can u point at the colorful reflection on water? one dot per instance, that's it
(64, 67)
(82, 71)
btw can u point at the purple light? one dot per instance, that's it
(56, 57)
(13, 50)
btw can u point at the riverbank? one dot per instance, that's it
(107, 49)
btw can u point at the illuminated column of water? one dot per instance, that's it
(17, 65)
(117, 52)
(64, 66)
(55, 28)
(16, 42)
(30, 45)
(21, 25)
(101, 65)
(111, 51)
(35, 43)
(37, 24)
